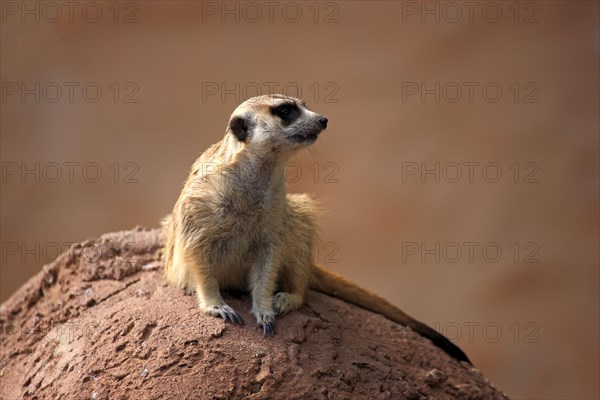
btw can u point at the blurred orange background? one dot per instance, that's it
(460, 166)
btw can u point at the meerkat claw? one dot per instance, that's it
(239, 319)
(227, 313)
(266, 321)
(268, 328)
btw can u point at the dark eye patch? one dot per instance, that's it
(287, 112)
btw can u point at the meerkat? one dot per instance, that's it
(235, 226)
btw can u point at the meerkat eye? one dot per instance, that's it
(287, 112)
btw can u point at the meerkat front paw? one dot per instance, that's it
(225, 312)
(266, 320)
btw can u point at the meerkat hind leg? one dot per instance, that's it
(207, 291)
(284, 302)
(294, 285)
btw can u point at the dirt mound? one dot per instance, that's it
(100, 323)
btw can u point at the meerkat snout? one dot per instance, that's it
(299, 124)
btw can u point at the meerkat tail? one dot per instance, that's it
(335, 285)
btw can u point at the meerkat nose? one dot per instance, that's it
(323, 122)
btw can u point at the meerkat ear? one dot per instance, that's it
(239, 128)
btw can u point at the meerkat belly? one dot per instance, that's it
(225, 257)
(239, 246)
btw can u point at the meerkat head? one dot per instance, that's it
(275, 122)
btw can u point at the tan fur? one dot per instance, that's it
(235, 227)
